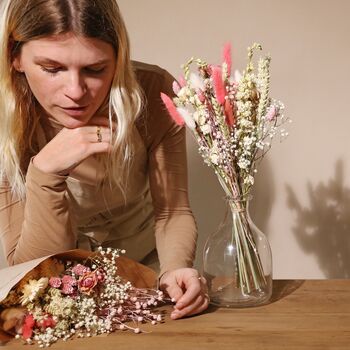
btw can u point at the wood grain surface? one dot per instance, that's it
(311, 314)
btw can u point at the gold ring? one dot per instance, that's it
(99, 134)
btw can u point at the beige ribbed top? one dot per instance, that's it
(65, 212)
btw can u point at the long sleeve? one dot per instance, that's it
(39, 225)
(175, 226)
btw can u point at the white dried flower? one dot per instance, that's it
(205, 129)
(33, 289)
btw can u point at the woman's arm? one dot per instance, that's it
(175, 227)
(39, 225)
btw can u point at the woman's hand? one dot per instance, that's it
(188, 289)
(71, 146)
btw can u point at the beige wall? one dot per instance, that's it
(302, 195)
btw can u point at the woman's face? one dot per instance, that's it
(69, 75)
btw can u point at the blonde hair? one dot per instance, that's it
(25, 20)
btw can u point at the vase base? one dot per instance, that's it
(231, 296)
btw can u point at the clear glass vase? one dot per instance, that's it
(237, 260)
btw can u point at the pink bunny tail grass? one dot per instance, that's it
(219, 86)
(182, 81)
(176, 87)
(226, 57)
(169, 104)
(230, 117)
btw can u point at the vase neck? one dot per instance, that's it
(238, 204)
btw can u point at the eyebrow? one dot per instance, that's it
(40, 59)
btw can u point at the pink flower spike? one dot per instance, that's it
(226, 56)
(169, 104)
(230, 118)
(219, 86)
(182, 81)
(176, 87)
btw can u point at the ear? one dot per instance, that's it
(17, 64)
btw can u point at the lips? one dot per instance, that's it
(74, 111)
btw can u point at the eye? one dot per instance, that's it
(95, 70)
(52, 71)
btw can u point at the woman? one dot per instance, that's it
(88, 155)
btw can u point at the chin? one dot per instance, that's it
(74, 123)
(70, 122)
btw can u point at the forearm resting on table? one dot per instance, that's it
(39, 225)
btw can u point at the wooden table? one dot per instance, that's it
(312, 314)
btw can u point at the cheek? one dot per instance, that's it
(42, 87)
(99, 88)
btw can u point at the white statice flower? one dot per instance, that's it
(214, 158)
(187, 117)
(245, 123)
(196, 81)
(243, 163)
(205, 129)
(260, 145)
(59, 306)
(237, 76)
(248, 141)
(199, 117)
(33, 289)
(249, 180)
(184, 93)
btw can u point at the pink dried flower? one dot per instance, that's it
(55, 282)
(271, 114)
(80, 269)
(100, 275)
(68, 284)
(226, 55)
(28, 325)
(69, 280)
(176, 87)
(169, 104)
(87, 282)
(67, 289)
(219, 87)
(48, 321)
(230, 118)
(182, 81)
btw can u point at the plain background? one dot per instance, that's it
(302, 191)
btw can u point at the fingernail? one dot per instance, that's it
(179, 306)
(174, 315)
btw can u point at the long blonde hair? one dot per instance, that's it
(25, 20)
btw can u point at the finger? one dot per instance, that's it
(193, 288)
(198, 305)
(200, 308)
(102, 121)
(174, 291)
(99, 147)
(93, 129)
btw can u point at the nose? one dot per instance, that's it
(75, 87)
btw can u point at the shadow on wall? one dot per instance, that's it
(323, 229)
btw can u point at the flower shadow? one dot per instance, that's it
(323, 228)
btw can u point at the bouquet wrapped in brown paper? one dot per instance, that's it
(76, 293)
